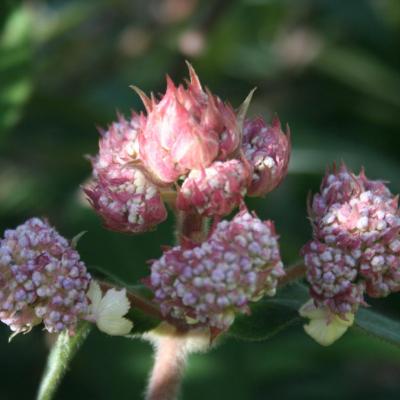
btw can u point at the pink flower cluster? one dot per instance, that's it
(41, 279)
(208, 284)
(121, 193)
(356, 245)
(189, 143)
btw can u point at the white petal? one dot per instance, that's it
(114, 326)
(109, 318)
(114, 303)
(309, 310)
(323, 332)
(94, 295)
(324, 327)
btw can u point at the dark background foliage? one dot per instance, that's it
(330, 68)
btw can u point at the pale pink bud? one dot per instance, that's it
(210, 283)
(187, 129)
(216, 190)
(121, 193)
(41, 279)
(267, 149)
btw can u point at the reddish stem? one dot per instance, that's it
(192, 226)
(169, 364)
(293, 273)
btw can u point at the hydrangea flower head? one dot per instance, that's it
(42, 279)
(209, 283)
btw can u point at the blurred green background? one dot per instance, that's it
(329, 68)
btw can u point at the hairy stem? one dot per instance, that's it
(59, 358)
(169, 364)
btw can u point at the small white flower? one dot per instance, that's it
(324, 327)
(108, 310)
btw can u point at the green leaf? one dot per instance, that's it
(271, 315)
(15, 57)
(141, 322)
(59, 359)
(379, 326)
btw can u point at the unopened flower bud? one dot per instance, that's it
(208, 284)
(121, 193)
(41, 279)
(187, 129)
(216, 190)
(267, 149)
(356, 246)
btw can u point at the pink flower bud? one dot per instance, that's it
(121, 193)
(333, 275)
(267, 149)
(216, 190)
(210, 283)
(187, 129)
(356, 249)
(41, 279)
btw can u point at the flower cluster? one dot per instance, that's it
(189, 143)
(41, 279)
(209, 283)
(121, 193)
(356, 245)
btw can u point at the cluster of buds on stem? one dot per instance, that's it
(42, 279)
(196, 151)
(355, 250)
(207, 284)
(189, 143)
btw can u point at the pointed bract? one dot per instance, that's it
(187, 129)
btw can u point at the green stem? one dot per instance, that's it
(59, 358)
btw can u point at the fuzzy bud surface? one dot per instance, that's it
(356, 246)
(216, 190)
(42, 279)
(267, 149)
(208, 284)
(121, 193)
